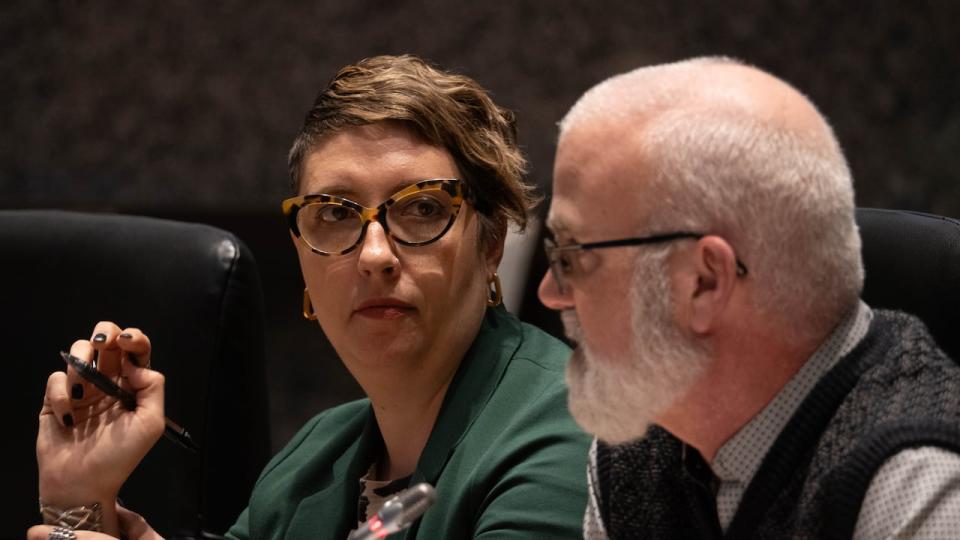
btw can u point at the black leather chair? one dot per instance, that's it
(196, 291)
(912, 263)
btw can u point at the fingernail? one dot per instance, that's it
(126, 335)
(100, 338)
(68, 420)
(96, 359)
(76, 391)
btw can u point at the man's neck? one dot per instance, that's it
(736, 386)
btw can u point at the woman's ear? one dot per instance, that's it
(493, 249)
(715, 264)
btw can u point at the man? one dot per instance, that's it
(706, 261)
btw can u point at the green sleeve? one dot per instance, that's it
(537, 502)
(541, 492)
(241, 529)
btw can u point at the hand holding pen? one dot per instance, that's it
(172, 430)
(88, 442)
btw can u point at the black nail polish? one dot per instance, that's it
(96, 359)
(76, 391)
(68, 420)
(126, 335)
(100, 338)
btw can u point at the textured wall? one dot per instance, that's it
(184, 103)
(186, 108)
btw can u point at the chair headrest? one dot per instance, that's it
(912, 263)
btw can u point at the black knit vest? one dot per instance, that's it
(895, 390)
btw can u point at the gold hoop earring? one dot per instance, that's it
(308, 312)
(495, 296)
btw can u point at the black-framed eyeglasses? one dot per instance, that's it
(565, 261)
(414, 216)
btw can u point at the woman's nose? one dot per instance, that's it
(377, 254)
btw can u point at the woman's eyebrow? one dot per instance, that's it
(340, 190)
(348, 191)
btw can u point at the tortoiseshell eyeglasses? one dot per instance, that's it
(414, 216)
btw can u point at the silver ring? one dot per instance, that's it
(62, 533)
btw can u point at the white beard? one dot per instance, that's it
(617, 399)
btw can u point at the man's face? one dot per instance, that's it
(617, 401)
(594, 198)
(631, 360)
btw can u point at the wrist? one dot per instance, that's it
(65, 493)
(86, 517)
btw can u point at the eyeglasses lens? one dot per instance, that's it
(329, 227)
(557, 261)
(420, 217)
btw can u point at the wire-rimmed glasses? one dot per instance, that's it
(565, 264)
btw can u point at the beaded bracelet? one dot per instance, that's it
(82, 518)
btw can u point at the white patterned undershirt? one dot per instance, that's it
(373, 493)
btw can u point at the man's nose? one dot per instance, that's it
(550, 294)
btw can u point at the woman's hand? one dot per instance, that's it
(133, 525)
(88, 443)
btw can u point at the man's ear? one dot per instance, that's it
(715, 264)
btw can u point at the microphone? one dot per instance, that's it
(397, 513)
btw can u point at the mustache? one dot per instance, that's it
(571, 325)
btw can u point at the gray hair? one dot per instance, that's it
(781, 195)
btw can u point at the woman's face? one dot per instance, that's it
(386, 306)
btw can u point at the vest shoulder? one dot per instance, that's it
(908, 330)
(906, 354)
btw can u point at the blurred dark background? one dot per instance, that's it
(185, 110)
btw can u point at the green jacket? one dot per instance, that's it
(505, 457)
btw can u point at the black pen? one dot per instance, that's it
(171, 429)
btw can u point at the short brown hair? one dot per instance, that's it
(448, 110)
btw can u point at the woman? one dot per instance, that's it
(406, 180)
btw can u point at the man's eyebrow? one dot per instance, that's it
(555, 225)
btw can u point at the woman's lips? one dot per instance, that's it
(383, 309)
